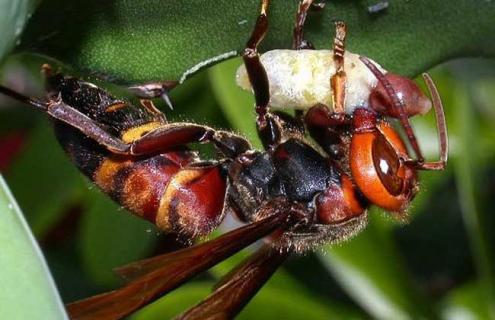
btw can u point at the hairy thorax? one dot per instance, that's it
(299, 79)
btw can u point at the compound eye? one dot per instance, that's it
(377, 169)
(387, 165)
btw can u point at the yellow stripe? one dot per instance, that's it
(104, 175)
(179, 181)
(132, 134)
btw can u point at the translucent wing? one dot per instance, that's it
(238, 286)
(157, 276)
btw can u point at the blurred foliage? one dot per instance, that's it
(13, 16)
(439, 265)
(24, 276)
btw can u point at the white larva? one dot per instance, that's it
(299, 79)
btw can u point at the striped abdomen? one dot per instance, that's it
(161, 188)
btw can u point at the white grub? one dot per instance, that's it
(299, 79)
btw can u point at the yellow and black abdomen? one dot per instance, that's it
(169, 189)
(166, 189)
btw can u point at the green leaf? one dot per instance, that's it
(111, 237)
(370, 270)
(28, 290)
(13, 16)
(269, 303)
(155, 40)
